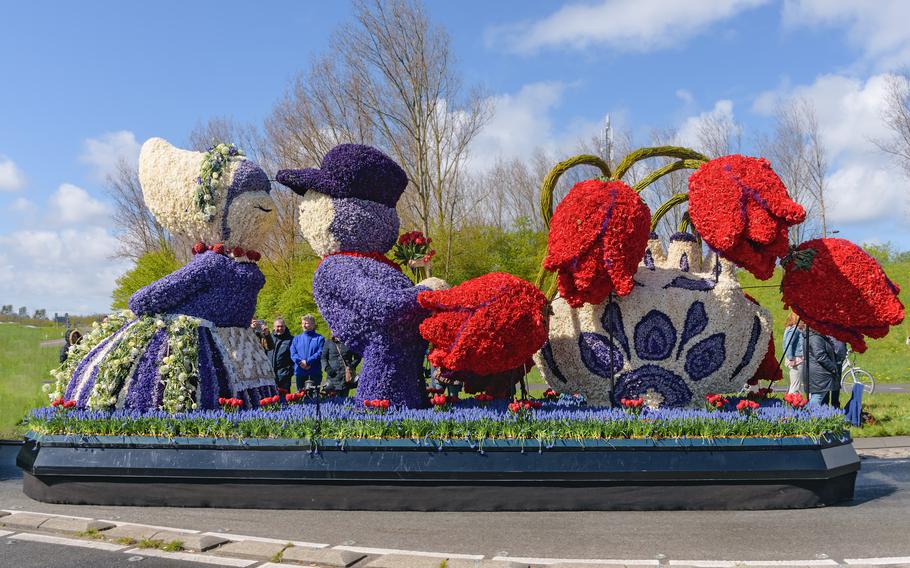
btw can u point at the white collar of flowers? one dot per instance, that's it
(210, 179)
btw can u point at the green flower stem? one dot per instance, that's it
(685, 222)
(666, 206)
(661, 172)
(656, 152)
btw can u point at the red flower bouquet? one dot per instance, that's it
(598, 235)
(413, 250)
(742, 210)
(487, 325)
(839, 290)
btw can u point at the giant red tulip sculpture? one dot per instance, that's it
(742, 210)
(839, 290)
(598, 235)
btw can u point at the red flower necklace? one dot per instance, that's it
(219, 248)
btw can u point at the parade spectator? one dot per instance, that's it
(822, 368)
(840, 355)
(71, 337)
(794, 336)
(340, 366)
(306, 353)
(262, 332)
(278, 348)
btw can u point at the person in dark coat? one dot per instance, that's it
(70, 338)
(340, 366)
(840, 355)
(823, 369)
(278, 348)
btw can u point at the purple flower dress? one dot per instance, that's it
(218, 294)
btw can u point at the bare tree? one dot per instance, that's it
(138, 230)
(719, 135)
(816, 160)
(896, 115)
(797, 154)
(388, 80)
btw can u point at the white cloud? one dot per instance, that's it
(519, 125)
(61, 271)
(685, 96)
(106, 152)
(877, 28)
(863, 183)
(73, 205)
(22, 205)
(625, 25)
(11, 177)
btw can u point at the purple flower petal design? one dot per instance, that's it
(668, 384)
(655, 336)
(696, 322)
(599, 356)
(706, 356)
(750, 348)
(611, 323)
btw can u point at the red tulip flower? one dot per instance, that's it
(742, 210)
(199, 247)
(598, 235)
(487, 325)
(839, 290)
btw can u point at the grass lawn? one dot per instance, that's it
(888, 359)
(891, 412)
(24, 367)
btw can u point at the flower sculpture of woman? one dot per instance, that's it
(189, 343)
(348, 216)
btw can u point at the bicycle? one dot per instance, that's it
(852, 374)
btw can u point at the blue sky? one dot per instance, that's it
(82, 84)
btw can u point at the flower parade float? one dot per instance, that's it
(642, 337)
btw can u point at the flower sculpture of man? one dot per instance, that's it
(348, 216)
(189, 343)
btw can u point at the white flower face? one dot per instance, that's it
(678, 336)
(316, 214)
(250, 217)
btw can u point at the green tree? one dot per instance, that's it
(288, 291)
(149, 267)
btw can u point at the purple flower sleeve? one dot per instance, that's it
(161, 296)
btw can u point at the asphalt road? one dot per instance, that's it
(21, 554)
(875, 524)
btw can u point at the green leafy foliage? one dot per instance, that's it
(288, 291)
(480, 249)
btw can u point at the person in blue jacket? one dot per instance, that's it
(306, 351)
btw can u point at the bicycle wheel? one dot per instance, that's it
(854, 376)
